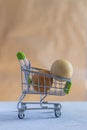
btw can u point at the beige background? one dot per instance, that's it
(45, 30)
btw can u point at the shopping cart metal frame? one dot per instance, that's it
(56, 89)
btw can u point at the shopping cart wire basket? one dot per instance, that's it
(37, 81)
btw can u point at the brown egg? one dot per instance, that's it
(62, 68)
(39, 80)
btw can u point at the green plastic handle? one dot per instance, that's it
(67, 87)
(20, 55)
(29, 81)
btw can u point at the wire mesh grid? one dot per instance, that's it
(40, 82)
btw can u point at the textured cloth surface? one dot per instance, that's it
(73, 117)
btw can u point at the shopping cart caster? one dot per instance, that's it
(57, 113)
(21, 115)
(57, 110)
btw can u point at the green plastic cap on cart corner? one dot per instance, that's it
(67, 87)
(29, 81)
(20, 55)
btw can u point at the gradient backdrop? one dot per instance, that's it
(45, 30)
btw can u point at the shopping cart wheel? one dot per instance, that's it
(57, 109)
(21, 115)
(57, 113)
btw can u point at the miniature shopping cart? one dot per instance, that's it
(57, 87)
